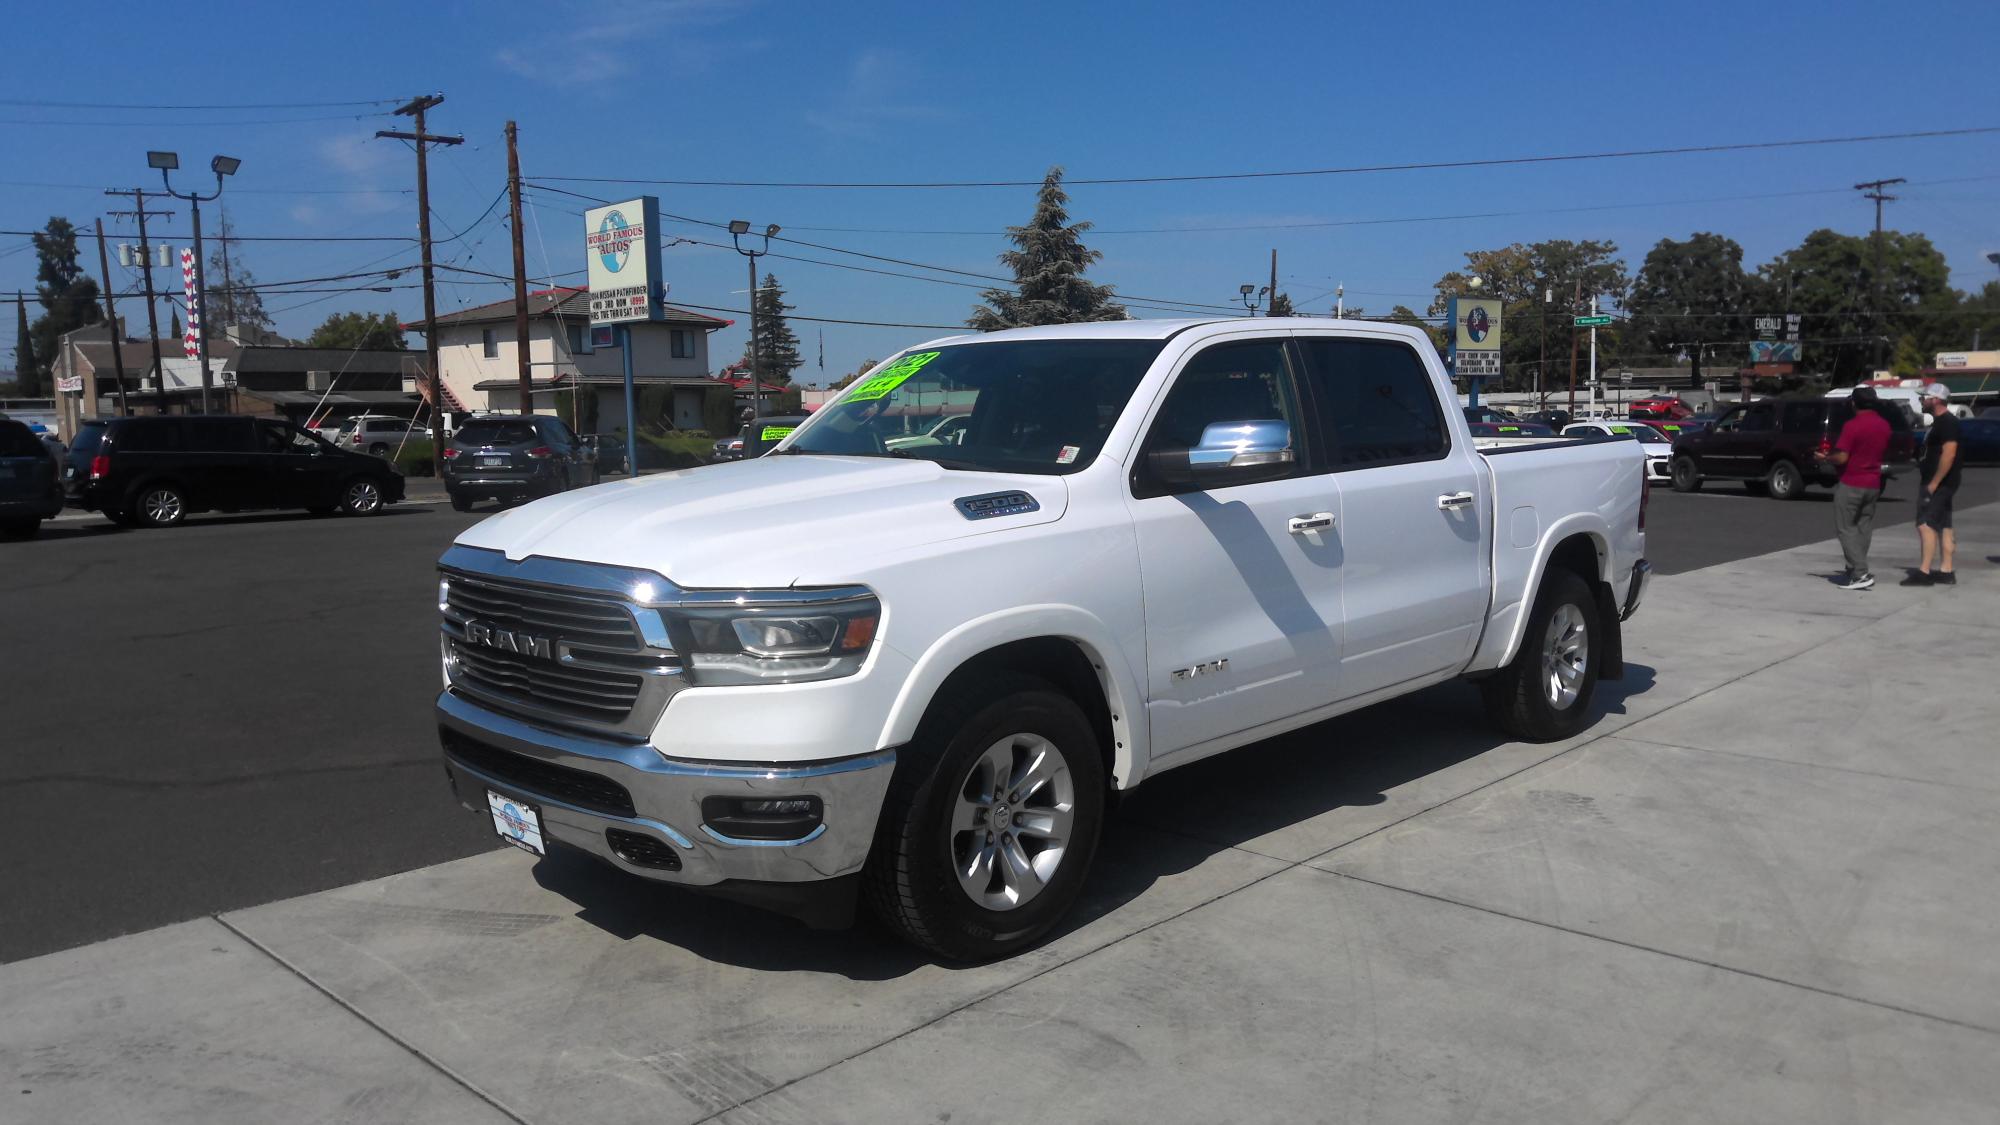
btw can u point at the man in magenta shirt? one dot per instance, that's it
(1858, 452)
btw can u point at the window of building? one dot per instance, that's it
(579, 338)
(682, 342)
(489, 343)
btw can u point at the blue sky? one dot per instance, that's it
(776, 90)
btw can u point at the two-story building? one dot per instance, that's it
(477, 359)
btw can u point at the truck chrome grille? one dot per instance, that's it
(572, 658)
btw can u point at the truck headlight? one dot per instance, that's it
(778, 645)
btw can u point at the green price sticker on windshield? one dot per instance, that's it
(776, 433)
(1510, 429)
(1621, 429)
(890, 377)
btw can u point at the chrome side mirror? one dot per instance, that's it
(1242, 445)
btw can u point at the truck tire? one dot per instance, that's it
(1544, 694)
(1687, 475)
(972, 870)
(1785, 481)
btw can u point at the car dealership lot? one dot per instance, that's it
(1756, 888)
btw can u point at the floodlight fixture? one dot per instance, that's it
(739, 226)
(771, 231)
(164, 161)
(224, 165)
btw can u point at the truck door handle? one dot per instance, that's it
(1452, 500)
(1300, 525)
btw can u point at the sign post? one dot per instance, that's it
(621, 243)
(1474, 350)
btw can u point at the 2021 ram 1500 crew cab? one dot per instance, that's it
(917, 671)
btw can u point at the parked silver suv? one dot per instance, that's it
(380, 434)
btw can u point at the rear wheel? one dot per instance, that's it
(361, 497)
(1687, 475)
(1544, 694)
(161, 505)
(1785, 481)
(379, 449)
(991, 821)
(461, 503)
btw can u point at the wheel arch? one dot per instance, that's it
(1578, 544)
(1066, 646)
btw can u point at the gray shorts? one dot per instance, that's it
(1934, 508)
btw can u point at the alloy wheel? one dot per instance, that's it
(363, 497)
(161, 506)
(1565, 656)
(1012, 821)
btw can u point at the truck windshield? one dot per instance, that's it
(1019, 406)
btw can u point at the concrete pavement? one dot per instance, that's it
(1759, 888)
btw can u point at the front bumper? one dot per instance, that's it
(1635, 589)
(665, 799)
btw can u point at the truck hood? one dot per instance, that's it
(772, 522)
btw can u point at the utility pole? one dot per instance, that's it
(1575, 303)
(111, 318)
(1873, 190)
(1541, 369)
(416, 109)
(521, 273)
(1272, 310)
(228, 290)
(139, 198)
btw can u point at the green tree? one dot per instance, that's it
(1691, 293)
(1831, 281)
(1979, 317)
(1049, 260)
(63, 289)
(367, 332)
(232, 288)
(777, 349)
(1521, 275)
(24, 354)
(1281, 305)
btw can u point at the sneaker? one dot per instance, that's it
(1919, 578)
(1944, 578)
(1859, 582)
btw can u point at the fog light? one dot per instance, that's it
(762, 818)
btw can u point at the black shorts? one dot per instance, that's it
(1934, 508)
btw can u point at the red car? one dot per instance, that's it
(1663, 407)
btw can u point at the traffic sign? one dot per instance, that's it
(1591, 321)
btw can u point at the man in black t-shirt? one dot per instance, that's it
(1935, 489)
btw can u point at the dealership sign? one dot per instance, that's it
(1475, 337)
(622, 244)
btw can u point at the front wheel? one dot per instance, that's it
(991, 821)
(1785, 481)
(361, 498)
(1544, 693)
(1687, 475)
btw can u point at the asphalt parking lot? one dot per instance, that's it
(1758, 888)
(238, 711)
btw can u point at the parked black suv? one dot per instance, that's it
(517, 457)
(30, 491)
(155, 471)
(1769, 446)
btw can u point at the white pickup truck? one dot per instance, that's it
(916, 672)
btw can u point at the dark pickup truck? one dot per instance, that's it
(1770, 445)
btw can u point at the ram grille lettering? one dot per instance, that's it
(507, 640)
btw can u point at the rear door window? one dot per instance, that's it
(1760, 418)
(1375, 402)
(151, 436)
(1804, 417)
(486, 431)
(217, 435)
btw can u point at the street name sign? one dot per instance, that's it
(1598, 321)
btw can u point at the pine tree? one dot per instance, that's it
(777, 348)
(27, 376)
(64, 290)
(232, 289)
(1048, 265)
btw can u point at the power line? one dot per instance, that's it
(233, 190)
(279, 237)
(1491, 162)
(37, 104)
(232, 122)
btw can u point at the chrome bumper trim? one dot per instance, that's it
(667, 793)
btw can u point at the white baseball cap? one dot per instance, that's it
(1937, 391)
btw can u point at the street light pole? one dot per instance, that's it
(737, 229)
(222, 166)
(1250, 302)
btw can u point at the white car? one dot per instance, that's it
(950, 431)
(1659, 448)
(918, 674)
